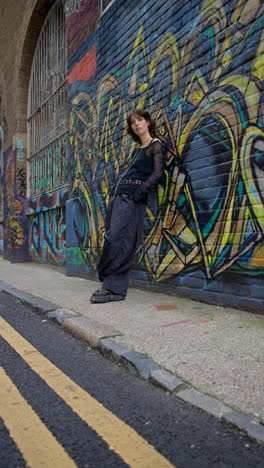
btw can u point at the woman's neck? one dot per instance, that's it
(145, 140)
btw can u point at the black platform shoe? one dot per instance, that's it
(104, 295)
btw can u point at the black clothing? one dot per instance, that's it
(146, 170)
(126, 216)
(122, 238)
(103, 295)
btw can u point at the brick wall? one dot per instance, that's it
(198, 67)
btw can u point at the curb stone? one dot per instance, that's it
(209, 404)
(253, 429)
(137, 363)
(165, 380)
(110, 349)
(40, 305)
(88, 330)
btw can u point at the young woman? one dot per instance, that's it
(125, 227)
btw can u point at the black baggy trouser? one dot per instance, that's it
(122, 238)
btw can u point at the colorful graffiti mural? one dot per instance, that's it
(206, 96)
(49, 170)
(73, 6)
(47, 227)
(47, 236)
(15, 223)
(82, 17)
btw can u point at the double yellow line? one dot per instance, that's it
(37, 445)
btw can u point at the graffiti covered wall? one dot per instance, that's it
(200, 72)
(15, 221)
(47, 228)
(46, 212)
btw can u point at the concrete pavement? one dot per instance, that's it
(214, 356)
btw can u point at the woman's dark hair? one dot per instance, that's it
(146, 116)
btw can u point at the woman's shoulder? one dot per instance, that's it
(155, 147)
(156, 144)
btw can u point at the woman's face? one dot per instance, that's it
(139, 125)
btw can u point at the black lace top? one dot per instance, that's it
(147, 166)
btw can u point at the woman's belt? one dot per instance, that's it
(131, 181)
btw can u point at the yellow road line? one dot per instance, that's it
(120, 437)
(35, 442)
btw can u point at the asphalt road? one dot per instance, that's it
(100, 415)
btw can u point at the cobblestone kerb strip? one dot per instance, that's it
(37, 303)
(137, 363)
